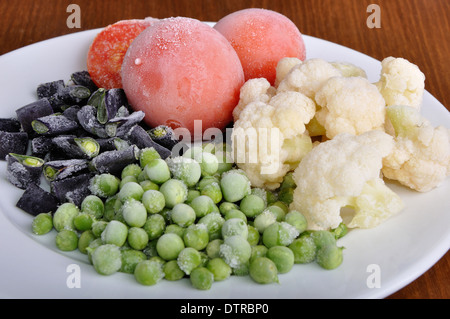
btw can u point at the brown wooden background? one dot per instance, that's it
(418, 30)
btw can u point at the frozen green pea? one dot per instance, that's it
(235, 213)
(220, 269)
(329, 256)
(130, 190)
(157, 171)
(196, 236)
(83, 221)
(174, 191)
(214, 222)
(213, 191)
(131, 170)
(107, 259)
(169, 246)
(154, 226)
(283, 257)
(233, 227)
(258, 251)
(252, 205)
(323, 238)
(340, 231)
(279, 234)
(263, 270)
(93, 205)
(242, 269)
(176, 229)
(224, 207)
(203, 205)
(208, 162)
(235, 185)
(98, 227)
(282, 205)
(296, 219)
(93, 245)
(207, 180)
(235, 251)
(147, 155)
(66, 240)
(261, 192)
(137, 238)
(42, 224)
(130, 258)
(263, 220)
(279, 212)
(192, 193)
(185, 169)
(253, 236)
(127, 179)
(304, 250)
(64, 215)
(134, 213)
(115, 233)
(104, 185)
(148, 184)
(85, 240)
(193, 151)
(213, 248)
(172, 271)
(154, 201)
(188, 259)
(201, 278)
(225, 161)
(183, 215)
(158, 259)
(148, 272)
(110, 208)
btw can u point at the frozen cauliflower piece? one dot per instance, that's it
(401, 82)
(283, 67)
(350, 105)
(253, 90)
(269, 139)
(345, 172)
(420, 159)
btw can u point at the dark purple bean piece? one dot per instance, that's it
(74, 94)
(84, 78)
(54, 125)
(76, 147)
(23, 170)
(49, 89)
(113, 162)
(164, 135)
(9, 125)
(28, 113)
(41, 145)
(139, 137)
(88, 120)
(114, 99)
(72, 189)
(36, 200)
(13, 142)
(119, 126)
(71, 112)
(56, 170)
(112, 144)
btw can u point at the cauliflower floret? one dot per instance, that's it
(420, 159)
(351, 105)
(283, 67)
(348, 69)
(269, 139)
(401, 82)
(345, 172)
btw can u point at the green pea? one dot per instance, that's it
(83, 221)
(42, 224)
(130, 258)
(192, 193)
(148, 272)
(279, 234)
(201, 278)
(214, 222)
(172, 271)
(130, 190)
(242, 269)
(98, 227)
(253, 236)
(209, 163)
(234, 226)
(235, 185)
(169, 246)
(304, 249)
(340, 231)
(134, 213)
(64, 215)
(157, 171)
(66, 240)
(150, 250)
(296, 219)
(263, 270)
(127, 179)
(283, 257)
(137, 238)
(154, 226)
(174, 191)
(258, 251)
(107, 259)
(115, 233)
(263, 220)
(278, 211)
(235, 213)
(176, 229)
(252, 205)
(329, 256)
(110, 207)
(224, 207)
(235, 251)
(213, 248)
(147, 155)
(131, 170)
(154, 201)
(104, 185)
(323, 238)
(93, 245)
(148, 185)
(220, 269)
(196, 236)
(188, 259)
(213, 191)
(85, 240)
(202, 205)
(225, 161)
(185, 169)
(286, 195)
(183, 215)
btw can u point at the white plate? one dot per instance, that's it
(403, 248)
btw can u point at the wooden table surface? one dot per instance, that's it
(417, 30)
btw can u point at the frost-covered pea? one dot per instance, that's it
(203, 205)
(107, 259)
(183, 215)
(253, 235)
(235, 213)
(201, 278)
(209, 163)
(148, 184)
(93, 205)
(131, 170)
(323, 238)
(134, 213)
(235, 251)
(66, 240)
(154, 201)
(186, 169)
(220, 269)
(196, 236)
(157, 171)
(83, 221)
(258, 251)
(148, 272)
(233, 227)
(98, 227)
(154, 226)
(278, 211)
(130, 258)
(235, 185)
(213, 248)
(252, 205)
(42, 224)
(213, 191)
(304, 249)
(115, 233)
(64, 215)
(176, 229)
(169, 246)
(188, 259)
(329, 256)
(192, 193)
(193, 151)
(174, 191)
(283, 257)
(279, 234)
(127, 179)
(296, 219)
(263, 220)
(84, 240)
(263, 270)
(224, 207)
(104, 185)
(130, 190)
(172, 271)
(147, 155)
(137, 238)
(214, 222)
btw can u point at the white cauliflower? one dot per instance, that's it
(345, 172)
(283, 67)
(401, 82)
(420, 159)
(350, 105)
(269, 139)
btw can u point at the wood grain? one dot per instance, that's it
(417, 30)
